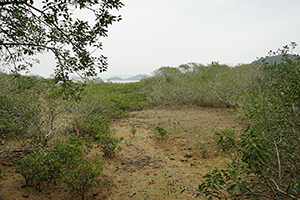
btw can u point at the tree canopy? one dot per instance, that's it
(30, 27)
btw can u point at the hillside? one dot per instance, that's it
(115, 78)
(273, 59)
(137, 77)
(121, 78)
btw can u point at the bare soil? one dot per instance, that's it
(148, 168)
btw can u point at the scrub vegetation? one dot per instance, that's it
(52, 134)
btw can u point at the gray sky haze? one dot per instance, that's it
(156, 33)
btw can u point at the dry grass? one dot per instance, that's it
(149, 168)
(193, 124)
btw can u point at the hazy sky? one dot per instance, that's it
(156, 33)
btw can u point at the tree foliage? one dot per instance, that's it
(196, 84)
(266, 165)
(29, 27)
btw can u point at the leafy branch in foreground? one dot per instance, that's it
(30, 27)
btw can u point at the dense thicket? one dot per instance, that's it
(267, 163)
(197, 84)
(54, 126)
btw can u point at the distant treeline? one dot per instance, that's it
(202, 85)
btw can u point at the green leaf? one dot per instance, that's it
(288, 190)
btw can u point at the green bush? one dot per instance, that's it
(200, 85)
(45, 165)
(133, 130)
(19, 110)
(84, 176)
(109, 144)
(33, 167)
(225, 139)
(29, 109)
(160, 133)
(66, 154)
(92, 125)
(266, 165)
(115, 100)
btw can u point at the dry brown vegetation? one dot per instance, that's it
(148, 168)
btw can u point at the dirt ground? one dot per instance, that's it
(148, 168)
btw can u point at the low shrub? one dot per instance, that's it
(133, 130)
(109, 144)
(225, 139)
(92, 125)
(266, 163)
(160, 133)
(49, 164)
(66, 154)
(84, 176)
(114, 99)
(33, 168)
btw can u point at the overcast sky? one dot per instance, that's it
(156, 33)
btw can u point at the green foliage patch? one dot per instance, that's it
(84, 177)
(133, 130)
(196, 84)
(160, 132)
(67, 160)
(225, 139)
(109, 144)
(116, 100)
(266, 165)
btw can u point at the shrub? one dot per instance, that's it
(160, 133)
(29, 108)
(66, 154)
(225, 139)
(19, 112)
(114, 100)
(33, 168)
(133, 130)
(109, 144)
(92, 125)
(84, 176)
(196, 84)
(266, 165)
(46, 165)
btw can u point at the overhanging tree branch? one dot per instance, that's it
(27, 30)
(13, 2)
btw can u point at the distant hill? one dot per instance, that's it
(273, 59)
(135, 78)
(130, 78)
(115, 78)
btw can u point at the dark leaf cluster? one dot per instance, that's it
(29, 27)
